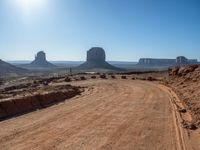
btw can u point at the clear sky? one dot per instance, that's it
(126, 29)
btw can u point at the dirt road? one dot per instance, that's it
(110, 114)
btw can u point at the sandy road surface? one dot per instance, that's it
(110, 114)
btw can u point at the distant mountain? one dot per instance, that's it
(6, 68)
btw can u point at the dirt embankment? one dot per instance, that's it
(185, 81)
(24, 102)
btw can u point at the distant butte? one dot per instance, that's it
(40, 61)
(96, 59)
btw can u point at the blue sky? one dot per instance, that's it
(126, 29)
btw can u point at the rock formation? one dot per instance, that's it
(96, 59)
(6, 68)
(156, 62)
(96, 55)
(40, 61)
(181, 60)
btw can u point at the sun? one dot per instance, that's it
(29, 6)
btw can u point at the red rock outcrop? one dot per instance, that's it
(185, 82)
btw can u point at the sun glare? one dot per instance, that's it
(29, 6)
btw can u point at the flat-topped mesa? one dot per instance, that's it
(180, 60)
(96, 59)
(156, 62)
(40, 61)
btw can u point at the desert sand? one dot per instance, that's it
(109, 114)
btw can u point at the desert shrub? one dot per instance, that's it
(113, 77)
(93, 77)
(45, 83)
(103, 76)
(35, 82)
(141, 78)
(150, 78)
(123, 77)
(82, 78)
(133, 78)
(67, 79)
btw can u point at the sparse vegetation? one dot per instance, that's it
(82, 78)
(93, 77)
(103, 76)
(123, 77)
(113, 76)
(150, 78)
(67, 79)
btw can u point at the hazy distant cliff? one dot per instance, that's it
(154, 62)
(180, 60)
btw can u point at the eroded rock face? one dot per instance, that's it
(185, 81)
(19, 103)
(96, 54)
(40, 61)
(96, 59)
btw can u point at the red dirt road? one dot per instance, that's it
(110, 114)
